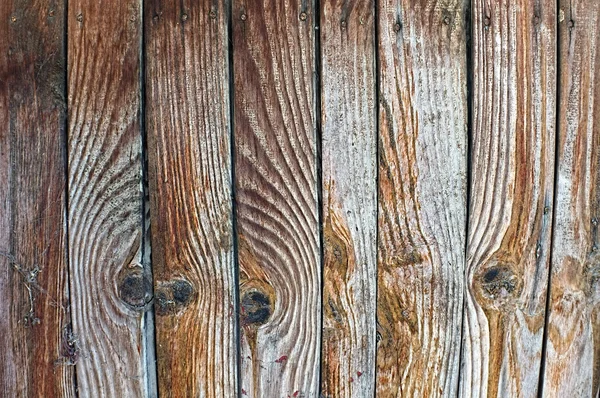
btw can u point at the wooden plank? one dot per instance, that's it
(422, 196)
(349, 150)
(572, 365)
(109, 285)
(191, 204)
(513, 127)
(276, 196)
(33, 271)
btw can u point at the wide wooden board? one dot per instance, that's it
(422, 196)
(110, 287)
(572, 365)
(36, 348)
(276, 197)
(187, 120)
(349, 153)
(512, 164)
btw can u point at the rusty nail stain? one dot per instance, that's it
(13, 19)
(397, 27)
(243, 17)
(184, 17)
(303, 16)
(51, 12)
(351, 379)
(359, 373)
(80, 17)
(447, 20)
(281, 359)
(212, 14)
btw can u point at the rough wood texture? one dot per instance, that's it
(35, 351)
(109, 286)
(573, 332)
(512, 160)
(190, 180)
(349, 198)
(422, 196)
(276, 191)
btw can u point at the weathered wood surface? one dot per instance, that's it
(191, 206)
(572, 365)
(422, 196)
(110, 288)
(349, 176)
(512, 160)
(34, 351)
(276, 197)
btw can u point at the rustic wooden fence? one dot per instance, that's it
(275, 198)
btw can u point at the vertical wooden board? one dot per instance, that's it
(512, 160)
(573, 331)
(349, 148)
(191, 204)
(33, 272)
(276, 196)
(110, 287)
(422, 196)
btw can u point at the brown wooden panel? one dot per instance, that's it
(512, 161)
(349, 149)
(573, 337)
(110, 288)
(190, 181)
(35, 351)
(276, 191)
(422, 196)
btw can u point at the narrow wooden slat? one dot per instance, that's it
(35, 351)
(276, 192)
(109, 287)
(191, 203)
(572, 365)
(513, 120)
(349, 150)
(422, 196)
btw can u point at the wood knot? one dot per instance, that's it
(173, 296)
(135, 290)
(498, 284)
(256, 308)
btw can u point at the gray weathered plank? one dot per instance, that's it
(422, 196)
(572, 365)
(110, 288)
(276, 192)
(191, 205)
(512, 163)
(349, 148)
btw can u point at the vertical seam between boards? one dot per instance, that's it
(468, 17)
(65, 140)
(377, 133)
(234, 228)
(557, 91)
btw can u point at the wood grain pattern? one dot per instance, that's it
(33, 272)
(190, 180)
(276, 193)
(349, 150)
(573, 337)
(422, 196)
(109, 285)
(512, 162)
